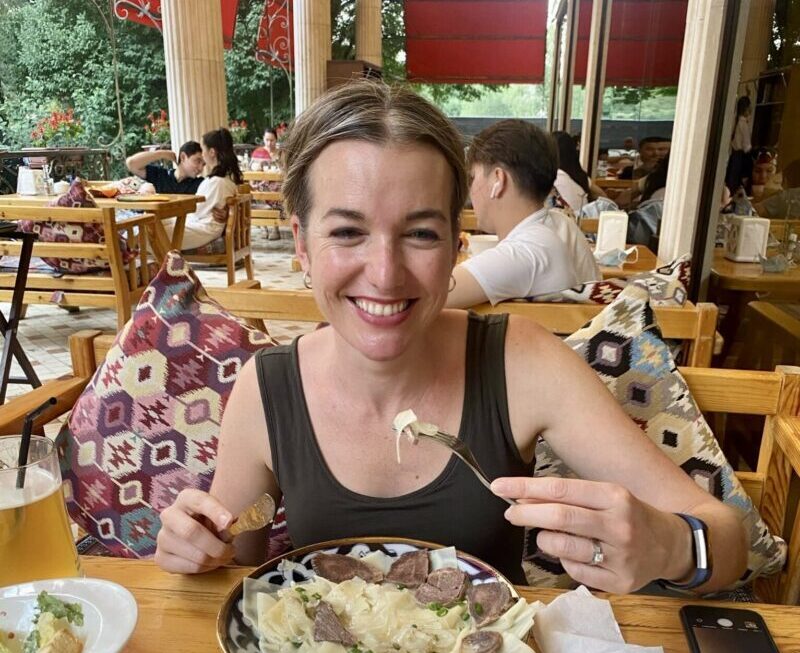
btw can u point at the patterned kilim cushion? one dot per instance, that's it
(75, 232)
(624, 346)
(667, 287)
(147, 424)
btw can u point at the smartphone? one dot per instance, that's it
(725, 630)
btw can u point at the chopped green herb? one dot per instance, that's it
(31, 644)
(72, 612)
(441, 612)
(396, 646)
(478, 608)
(300, 590)
(400, 586)
(465, 616)
(434, 606)
(316, 596)
(297, 644)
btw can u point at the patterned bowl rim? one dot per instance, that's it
(236, 591)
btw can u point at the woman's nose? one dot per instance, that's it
(385, 265)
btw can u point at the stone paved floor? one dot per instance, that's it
(44, 331)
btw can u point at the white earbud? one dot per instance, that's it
(495, 189)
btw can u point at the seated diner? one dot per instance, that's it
(379, 260)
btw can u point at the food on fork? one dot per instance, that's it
(406, 424)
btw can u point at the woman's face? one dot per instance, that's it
(378, 244)
(209, 156)
(270, 141)
(763, 173)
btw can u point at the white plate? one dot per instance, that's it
(109, 610)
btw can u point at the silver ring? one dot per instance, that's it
(597, 554)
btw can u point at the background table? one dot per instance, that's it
(177, 206)
(178, 613)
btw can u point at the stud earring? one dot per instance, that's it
(307, 280)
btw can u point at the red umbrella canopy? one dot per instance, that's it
(645, 42)
(148, 12)
(476, 41)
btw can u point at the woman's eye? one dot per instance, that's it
(424, 234)
(346, 233)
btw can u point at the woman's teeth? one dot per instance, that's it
(381, 310)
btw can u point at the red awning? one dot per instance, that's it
(148, 12)
(476, 41)
(276, 34)
(645, 42)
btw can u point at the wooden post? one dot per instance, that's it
(595, 84)
(312, 49)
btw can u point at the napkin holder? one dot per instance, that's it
(31, 181)
(612, 231)
(747, 239)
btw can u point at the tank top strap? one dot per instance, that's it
(485, 395)
(288, 423)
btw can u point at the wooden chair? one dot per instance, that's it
(267, 217)
(236, 237)
(775, 395)
(119, 288)
(694, 324)
(468, 220)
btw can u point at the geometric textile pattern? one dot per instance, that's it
(147, 425)
(75, 232)
(624, 346)
(666, 285)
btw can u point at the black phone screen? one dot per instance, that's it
(726, 630)
(728, 640)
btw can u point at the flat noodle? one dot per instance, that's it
(384, 618)
(406, 423)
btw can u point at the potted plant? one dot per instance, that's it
(238, 129)
(157, 129)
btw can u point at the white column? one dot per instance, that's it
(196, 92)
(693, 127)
(312, 49)
(595, 83)
(368, 31)
(756, 43)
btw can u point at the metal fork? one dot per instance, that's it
(465, 453)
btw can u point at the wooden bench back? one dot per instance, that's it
(695, 324)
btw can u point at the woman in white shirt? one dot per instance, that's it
(572, 182)
(222, 182)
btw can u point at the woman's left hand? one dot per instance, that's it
(638, 542)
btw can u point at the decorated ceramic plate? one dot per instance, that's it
(236, 636)
(109, 611)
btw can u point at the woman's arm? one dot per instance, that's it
(631, 489)
(188, 541)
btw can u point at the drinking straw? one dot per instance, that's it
(25, 440)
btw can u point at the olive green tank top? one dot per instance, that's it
(454, 509)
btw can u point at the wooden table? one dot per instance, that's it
(647, 261)
(178, 613)
(178, 207)
(262, 175)
(730, 275)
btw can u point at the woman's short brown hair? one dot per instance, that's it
(369, 111)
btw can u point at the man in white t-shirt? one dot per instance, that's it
(512, 167)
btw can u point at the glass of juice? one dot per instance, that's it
(35, 536)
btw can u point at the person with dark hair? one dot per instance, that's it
(513, 165)
(184, 179)
(268, 154)
(206, 225)
(572, 183)
(740, 165)
(651, 150)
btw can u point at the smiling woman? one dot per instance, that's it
(374, 185)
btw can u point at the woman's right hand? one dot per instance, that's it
(184, 544)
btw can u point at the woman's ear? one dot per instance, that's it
(499, 178)
(300, 248)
